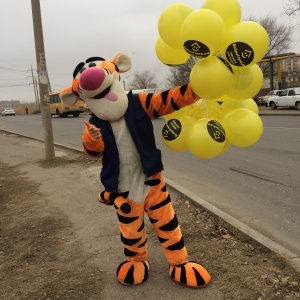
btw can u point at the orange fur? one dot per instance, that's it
(92, 147)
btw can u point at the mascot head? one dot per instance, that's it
(97, 82)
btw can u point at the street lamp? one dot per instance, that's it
(124, 82)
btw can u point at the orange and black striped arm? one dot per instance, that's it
(163, 103)
(91, 146)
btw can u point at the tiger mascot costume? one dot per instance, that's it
(121, 132)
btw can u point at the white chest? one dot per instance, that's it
(131, 177)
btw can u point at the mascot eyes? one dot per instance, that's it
(92, 65)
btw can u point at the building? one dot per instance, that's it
(285, 69)
(11, 103)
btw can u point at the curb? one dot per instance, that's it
(292, 259)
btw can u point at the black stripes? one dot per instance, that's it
(126, 220)
(153, 221)
(155, 113)
(128, 252)
(131, 276)
(129, 242)
(183, 275)
(177, 246)
(171, 225)
(174, 105)
(161, 204)
(92, 153)
(164, 97)
(183, 278)
(161, 240)
(129, 279)
(152, 182)
(183, 89)
(199, 278)
(141, 227)
(148, 100)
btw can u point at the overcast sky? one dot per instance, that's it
(75, 30)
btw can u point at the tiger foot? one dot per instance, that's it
(133, 272)
(190, 274)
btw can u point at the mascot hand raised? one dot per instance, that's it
(121, 132)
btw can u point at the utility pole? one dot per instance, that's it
(43, 79)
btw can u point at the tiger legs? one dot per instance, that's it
(159, 208)
(133, 237)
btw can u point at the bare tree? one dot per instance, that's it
(280, 40)
(180, 75)
(280, 35)
(143, 80)
(292, 8)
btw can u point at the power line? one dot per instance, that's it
(8, 69)
(14, 85)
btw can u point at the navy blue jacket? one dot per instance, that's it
(141, 129)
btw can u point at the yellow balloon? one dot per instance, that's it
(207, 109)
(211, 77)
(168, 55)
(186, 111)
(243, 127)
(229, 10)
(247, 82)
(174, 133)
(223, 98)
(230, 105)
(226, 147)
(206, 138)
(203, 33)
(246, 44)
(170, 23)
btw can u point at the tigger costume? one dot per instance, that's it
(131, 171)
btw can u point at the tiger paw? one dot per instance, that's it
(190, 274)
(133, 272)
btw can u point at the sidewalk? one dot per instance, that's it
(71, 190)
(83, 266)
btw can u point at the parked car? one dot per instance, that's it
(287, 98)
(8, 112)
(263, 100)
(257, 96)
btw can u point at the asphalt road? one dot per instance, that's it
(257, 185)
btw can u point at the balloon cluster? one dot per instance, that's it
(227, 51)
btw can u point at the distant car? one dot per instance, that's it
(263, 100)
(287, 98)
(8, 112)
(257, 96)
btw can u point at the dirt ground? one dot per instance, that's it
(39, 258)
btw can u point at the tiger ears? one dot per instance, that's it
(123, 62)
(67, 96)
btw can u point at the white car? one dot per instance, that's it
(263, 100)
(287, 98)
(8, 112)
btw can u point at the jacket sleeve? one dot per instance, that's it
(163, 103)
(91, 146)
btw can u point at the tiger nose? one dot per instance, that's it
(92, 78)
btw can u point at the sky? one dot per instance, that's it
(75, 30)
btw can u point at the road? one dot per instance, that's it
(258, 185)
